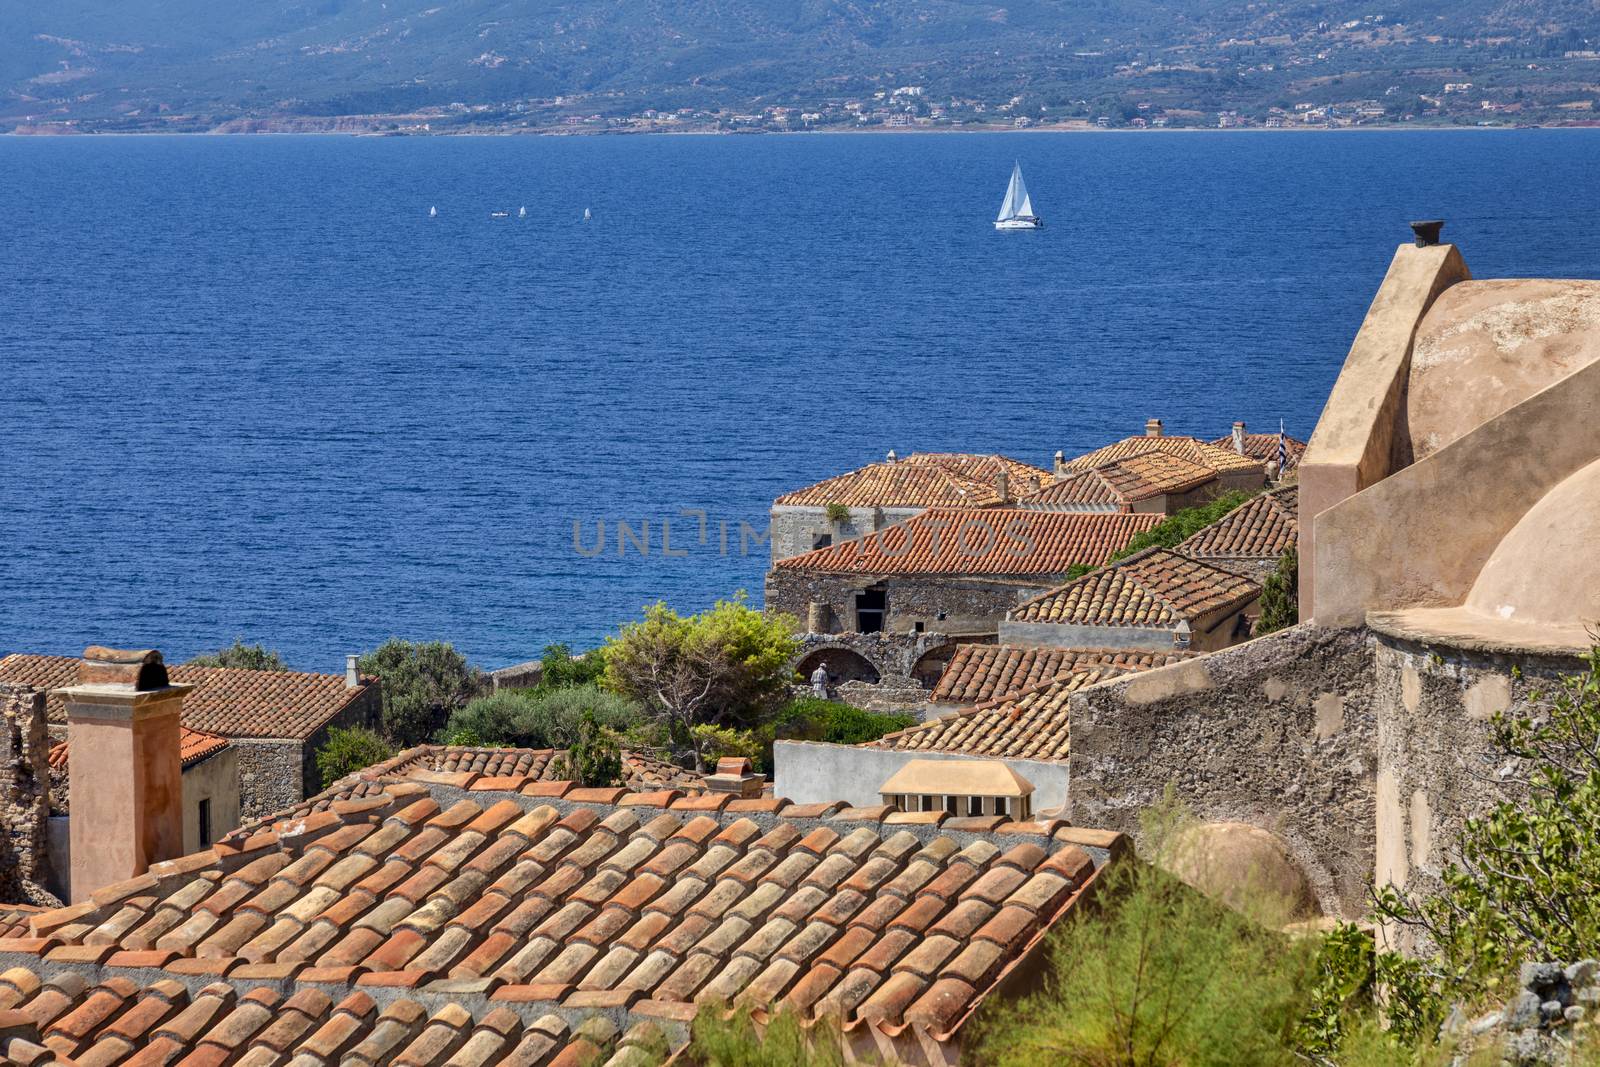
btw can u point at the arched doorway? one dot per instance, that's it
(842, 665)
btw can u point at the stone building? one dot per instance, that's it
(1234, 469)
(1154, 599)
(274, 720)
(880, 495)
(1264, 447)
(1251, 539)
(24, 796)
(1156, 482)
(946, 571)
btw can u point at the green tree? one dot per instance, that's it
(595, 756)
(538, 718)
(423, 682)
(241, 657)
(560, 669)
(726, 667)
(1280, 595)
(349, 750)
(1181, 525)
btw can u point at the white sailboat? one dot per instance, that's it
(586, 215)
(1016, 211)
(522, 212)
(499, 214)
(433, 212)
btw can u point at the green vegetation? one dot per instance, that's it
(539, 718)
(1280, 595)
(349, 750)
(838, 513)
(1181, 525)
(562, 670)
(423, 683)
(242, 657)
(812, 718)
(726, 668)
(724, 1039)
(594, 757)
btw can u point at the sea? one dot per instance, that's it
(250, 388)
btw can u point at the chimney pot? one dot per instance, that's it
(1152, 428)
(1238, 437)
(352, 674)
(1002, 486)
(1427, 231)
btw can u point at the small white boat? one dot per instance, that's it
(522, 212)
(1016, 211)
(433, 212)
(499, 214)
(586, 215)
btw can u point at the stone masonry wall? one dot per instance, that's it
(24, 789)
(271, 775)
(365, 712)
(1279, 733)
(969, 605)
(1438, 764)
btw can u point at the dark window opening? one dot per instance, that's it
(205, 823)
(871, 606)
(822, 540)
(917, 626)
(952, 805)
(974, 805)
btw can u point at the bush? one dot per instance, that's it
(537, 718)
(594, 758)
(815, 719)
(837, 513)
(347, 751)
(423, 683)
(241, 656)
(1280, 595)
(720, 1039)
(560, 669)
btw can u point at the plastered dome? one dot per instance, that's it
(1245, 867)
(1547, 569)
(1486, 346)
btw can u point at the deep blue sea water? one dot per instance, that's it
(248, 388)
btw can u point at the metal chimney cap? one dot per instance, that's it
(1427, 231)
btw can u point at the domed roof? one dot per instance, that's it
(1246, 868)
(1486, 346)
(1546, 569)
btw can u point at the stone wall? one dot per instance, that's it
(271, 775)
(960, 606)
(365, 712)
(1279, 733)
(24, 789)
(1437, 762)
(797, 529)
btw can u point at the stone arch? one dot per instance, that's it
(930, 665)
(843, 665)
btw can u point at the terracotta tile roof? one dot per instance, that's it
(1004, 542)
(1224, 460)
(978, 673)
(14, 919)
(1264, 447)
(922, 480)
(641, 771)
(434, 923)
(225, 701)
(1122, 482)
(1152, 588)
(193, 746)
(1031, 724)
(1259, 529)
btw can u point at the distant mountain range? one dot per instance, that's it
(625, 64)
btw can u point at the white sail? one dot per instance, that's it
(522, 212)
(586, 213)
(1016, 202)
(433, 212)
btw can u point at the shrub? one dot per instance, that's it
(537, 718)
(720, 1039)
(815, 719)
(1280, 595)
(423, 683)
(560, 669)
(726, 667)
(242, 657)
(595, 756)
(349, 750)
(837, 513)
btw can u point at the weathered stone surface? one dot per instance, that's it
(24, 794)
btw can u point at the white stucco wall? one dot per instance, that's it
(810, 772)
